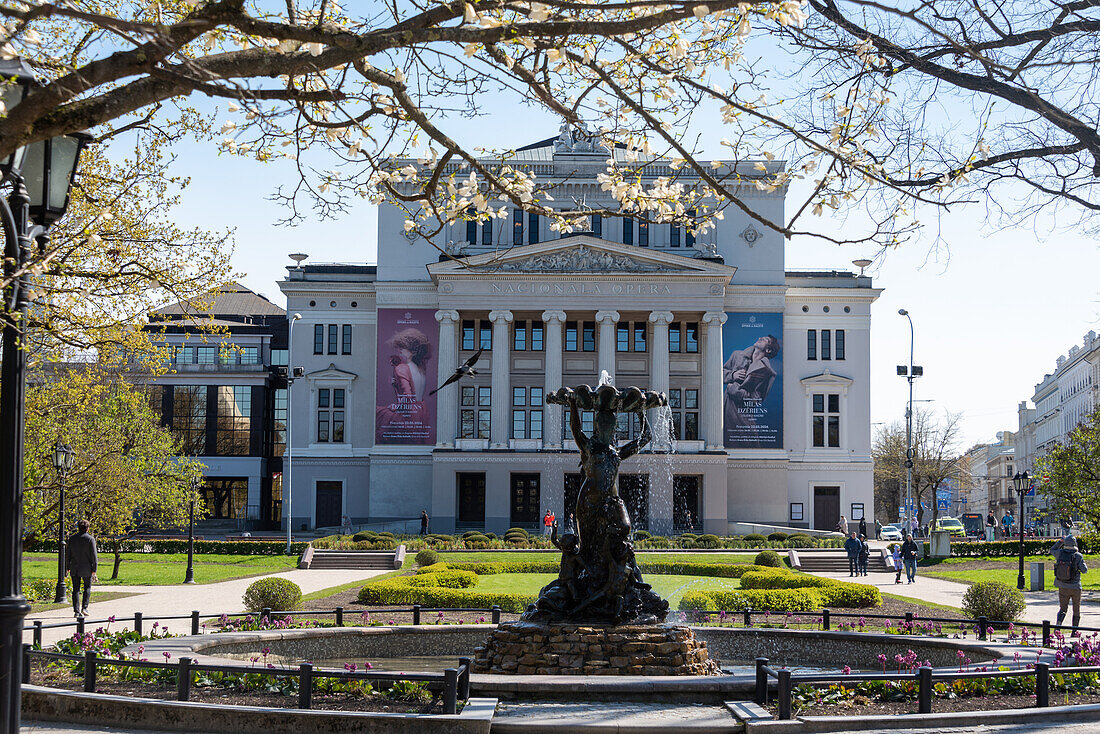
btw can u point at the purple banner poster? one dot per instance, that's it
(407, 349)
(752, 380)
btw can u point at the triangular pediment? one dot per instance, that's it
(581, 254)
(332, 372)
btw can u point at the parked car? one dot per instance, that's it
(890, 532)
(951, 525)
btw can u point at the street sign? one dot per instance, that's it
(943, 505)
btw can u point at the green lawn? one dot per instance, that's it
(1006, 571)
(158, 569)
(669, 587)
(492, 556)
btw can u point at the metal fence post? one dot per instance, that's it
(760, 696)
(266, 613)
(80, 626)
(137, 623)
(924, 690)
(784, 694)
(1046, 633)
(416, 614)
(496, 614)
(194, 621)
(183, 680)
(464, 678)
(983, 624)
(37, 632)
(305, 686)
(89, 671)
(748, 616)
(825, 620)
(450, 691)
(26, 663)
(1042, 684)
(909, 622)
(339, 616)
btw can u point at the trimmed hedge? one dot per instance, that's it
(1032, 547)
(274, 593)
(776, 600)
(449, 579)
(427, 557)
(768, 558)
(681, 568)
(224, 547)
(400, 591)
(833, 593)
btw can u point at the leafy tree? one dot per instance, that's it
(125, 475)
(1069, 473)
(936, 459)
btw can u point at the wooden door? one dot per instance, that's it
(471, 497)
(826, 508)
(525, 500)
(330, 504)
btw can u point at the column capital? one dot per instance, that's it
(607, 316)
(715, 317)
(446, 315)
(661, 318)
(551, 316)
(500, 316)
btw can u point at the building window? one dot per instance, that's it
(826, 420)
(234, 420)
(536, 336)
(345, 342)
(588, 336)
(674, 336)
(475, 414)
(226, 498)
(685, 413)
(532, 228)
(519, 397)
(587, 418)
(826, 344)
(517, 226)
(189, 418)
(278, 437)
(471, 226)
(811, 344)
(280, 357)
(622, 337)
(838, 341)
(485, 334)
(207, 355)
(857, 511)
(487, 232)
(796, 510)
(330, 415)
(318, 338)
(519, 424)
(643, 234)
(628, 231)
(468, 339)
(674, 235)
(690, 232)
(519, 336)
(570, 336)
(639, 336)
(691, 331)
(250, 355)
(333, 335)
(597, 225)
(535, 428)
(526, 423)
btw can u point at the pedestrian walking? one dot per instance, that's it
(852, 546)
(424, 520)
(895, 557)
(990, 527)
(83, 561)
(909, 558)
(864, 555)
(914, 527)
(863, 527)
(570, 524)
(547, 523)
(1069, 564)
(842, 525)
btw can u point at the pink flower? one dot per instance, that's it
(847, 670)
(166, 655)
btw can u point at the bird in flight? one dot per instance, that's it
(466, 369)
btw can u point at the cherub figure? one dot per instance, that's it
(572, 565)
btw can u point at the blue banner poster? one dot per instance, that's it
(752, 380)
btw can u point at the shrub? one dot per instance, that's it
(364, 535)
(517, 531)
(688, 536)
(434, 568)
(755, 538)
(707, 541)
(768, 558)
(397, 591)
(491, 536)
(642, 535)
(993, 600)
(386, 534)
(273, 593)
(777, 536)
(776, 600)
(43, 590)
(697, 601)
(800, 540)
(476, 540)
(223, 547)
(449, 578)
(427, 557)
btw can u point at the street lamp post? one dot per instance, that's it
(293, 373)
(1022, 484)
(189, 577)
(910, 373)
(63, 462)
(40, 175)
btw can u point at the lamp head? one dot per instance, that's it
(296, 317)
(63, 457)
(298, 257)
(48, 172)
(902, 312)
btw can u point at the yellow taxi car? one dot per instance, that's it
(951, 525)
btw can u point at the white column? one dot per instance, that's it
(446, 405)
(658, 365)
(501, 398)
(551, 414)
(607, 321)
(712, 380)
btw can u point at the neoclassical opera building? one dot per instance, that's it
(766, 370)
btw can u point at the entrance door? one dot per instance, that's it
(634, 489)
(471, 497)
(826, 508)
(329, 504)
(525, 500)
(685, 504)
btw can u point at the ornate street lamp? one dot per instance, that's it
(40, 186)
(189, 577)
(1021, 483)
(910, 373)
(293, 373)
(63, 462)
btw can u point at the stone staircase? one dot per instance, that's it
(823, 561)
(360, 560)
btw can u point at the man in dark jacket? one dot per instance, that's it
(83, 560)
(863, 527)
(853, 547)
(1068, 557)
(909, 558)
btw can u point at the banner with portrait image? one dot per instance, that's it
(752, 380)
(408, 342)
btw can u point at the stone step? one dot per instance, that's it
(365, 560)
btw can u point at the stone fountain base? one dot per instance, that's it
(526, 648)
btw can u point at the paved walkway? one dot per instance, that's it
(217, 598)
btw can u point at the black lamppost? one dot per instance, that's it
(63, 462)
(40, 176)
(189, 577)
(1021, 484)
(910, 373)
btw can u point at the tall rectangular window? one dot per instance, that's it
(234, 420)
(570, 336)
(826, 344)
(519, 424)
(519, 336)
(588, 336)
(536, 336)
(534, 430)
(487, 232)
(468, 338)
(189, 418)
(207, 355)
(345, 340)
(691, 340)
(278, 437)
(811, 344)
(519, 397)
(484, 414)
(597, 225)
(318, 338)
(471, 226)
(468, 414)
(674, 235)
(674, 336)
(643, 234)
(639, 336)
(690, 233)
(333, 335)
(622, 337)
(517, 226)
(838, 341)
(485, 333)
(628, 231)
(826, 420)
(532, 228)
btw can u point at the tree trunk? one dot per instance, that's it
(117, 548)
